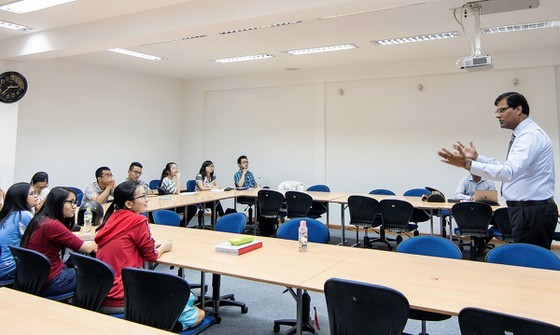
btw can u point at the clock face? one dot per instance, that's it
(12, 87)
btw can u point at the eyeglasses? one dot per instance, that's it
(502, 109)
(73, 203)
(108, 175)
(33, 193)
(145, 196)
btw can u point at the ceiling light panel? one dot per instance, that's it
(137, 54)
(327, 48)
(521, 27)
(416, 38)
(27, 6)
(242, 58)
(14, 26)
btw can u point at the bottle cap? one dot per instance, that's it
(88, 208)
(302, 223)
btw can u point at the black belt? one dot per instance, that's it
(529, 203)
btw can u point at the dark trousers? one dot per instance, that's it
(534, 224)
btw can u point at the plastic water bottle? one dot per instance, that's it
(88, 218)
(302, 236)
(259, 183)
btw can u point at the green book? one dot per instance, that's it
(241, 240)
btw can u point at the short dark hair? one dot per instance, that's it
(514, 100)
(133, 164)
(240, 158)
(39, 177)
(99, 171)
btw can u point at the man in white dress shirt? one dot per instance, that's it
(527, 173)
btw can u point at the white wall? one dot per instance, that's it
(78, 117)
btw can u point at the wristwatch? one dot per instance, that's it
(468, 164)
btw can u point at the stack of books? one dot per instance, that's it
(239, 245)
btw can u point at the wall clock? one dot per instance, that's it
(13, 87)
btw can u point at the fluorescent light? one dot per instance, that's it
(136, 54)
(14, 26)
(26, 6)
(416, 38)
(521, 27)
(174, 40)
(321, 49)
(368, 11)
(274, 25)
(242, 58)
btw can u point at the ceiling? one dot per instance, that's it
(82, 31)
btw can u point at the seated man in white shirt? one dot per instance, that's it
(101, 189)
(471, 183)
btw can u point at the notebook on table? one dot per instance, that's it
(489, 197)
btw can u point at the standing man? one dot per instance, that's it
(527, 173)
(134, 173)
(244, 177)
(101, 189)
(471, 183)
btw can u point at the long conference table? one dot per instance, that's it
(429, 283)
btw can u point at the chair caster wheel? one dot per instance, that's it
(276, 328)
(218, 319)
(244, 310)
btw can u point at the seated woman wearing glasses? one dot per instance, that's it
(124, 240)
(50, 231)
(206, 180)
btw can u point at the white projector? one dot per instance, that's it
(477, 63)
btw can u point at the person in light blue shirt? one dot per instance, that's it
(471, 183)
(527, 174)
(14, 218)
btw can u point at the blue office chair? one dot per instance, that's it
(166, 217)
(154, 184)
(382, 191)
(434, 246)
(318, 208)
(476, 321)
(231, 223)
(318, 233)
(361, 308)
(194, 209)
(522, 254)
(79, 194)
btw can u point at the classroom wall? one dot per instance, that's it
(77, 117)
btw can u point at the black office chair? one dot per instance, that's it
(32, 270)
(419, 215)
(157, 300)
(94, 279)
(396, 215)
(318, 208)
(476, 321)
(363, 211)
(361, 308)
(270, 203)
(472, 220)
(298, 204)
(501, 218)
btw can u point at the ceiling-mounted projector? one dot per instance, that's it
(477, 63)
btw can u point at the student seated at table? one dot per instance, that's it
(170, 181)
(102, 188)
(471, 183)
(124, 240)
(40, 183)
(14, 218)
(206, 180)
(134, 173)
(50, 231)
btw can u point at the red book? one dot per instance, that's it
(238, 249)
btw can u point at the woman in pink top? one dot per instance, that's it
(49, 232)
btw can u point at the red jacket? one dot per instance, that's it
(124, 241)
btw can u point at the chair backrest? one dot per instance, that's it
(476, 321)
(269, 203)
(319, 188)
(472, 218)
(501, 217)
(395, 214)
(298, 204)
(354, 307)
(153, 298)
(191, 185)
(316, 231)
(232, 223)
(154, 184)
(435, 246)
(522, 254)
(166, 217)
(382, 191)
(362, 210)
(32, 270)
(94, 279)
(416, 192)
(79, 194)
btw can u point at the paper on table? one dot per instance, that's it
(188, 193)
(217, 190)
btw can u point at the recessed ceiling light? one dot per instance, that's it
(27, 6)
(174, 40)
(321, 49)
(416, 38)
(521, 27)
(274, 25)
(367, 11)
(136, 54)
(14, 26)
(242, 58)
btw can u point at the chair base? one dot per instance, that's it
(227, 300)
(307, 325)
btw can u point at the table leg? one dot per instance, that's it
(216, 282)
(299, 317)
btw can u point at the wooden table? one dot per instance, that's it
(22, 313)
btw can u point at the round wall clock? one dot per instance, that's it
(13, 86)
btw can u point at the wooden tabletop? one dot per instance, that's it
(22, 313)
